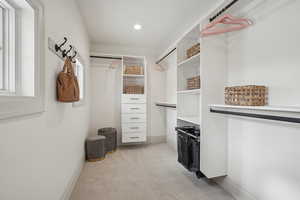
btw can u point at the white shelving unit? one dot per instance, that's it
(188, 106)
(193, 105)
(134, 106)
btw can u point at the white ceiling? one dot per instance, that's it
(111, 22)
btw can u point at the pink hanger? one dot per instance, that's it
(238, 24)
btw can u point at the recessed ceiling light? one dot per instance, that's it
(137, 27)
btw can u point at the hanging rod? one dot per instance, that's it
(159, 61)
(186, 133)
(107, 57)
(223, 10)
(166, 105)
(259, 116)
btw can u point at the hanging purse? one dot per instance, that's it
(67, 84)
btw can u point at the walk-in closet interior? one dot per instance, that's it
(149, 100)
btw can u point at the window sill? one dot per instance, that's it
(13, 107)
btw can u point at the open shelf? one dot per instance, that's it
(291, 109)
(190, 119)
(133, 75)
(195, 91)
(194, 60)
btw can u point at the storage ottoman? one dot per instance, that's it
(95, 148)
(111, 138)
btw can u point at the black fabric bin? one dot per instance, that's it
(188, 147)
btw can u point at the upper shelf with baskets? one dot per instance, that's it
(189, 46)
(133, 75)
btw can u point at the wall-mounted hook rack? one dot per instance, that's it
(57, 49)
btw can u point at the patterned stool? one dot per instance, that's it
(95, 148)
(111, 138)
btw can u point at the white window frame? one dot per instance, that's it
(9, 49)
(13, 105)
(81, 81)
(2, 27)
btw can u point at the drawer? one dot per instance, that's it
(134, 127)
(134, 137)
(133, 118)
(133, 108)
(133, 98)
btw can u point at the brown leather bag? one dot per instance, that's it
(67, 84)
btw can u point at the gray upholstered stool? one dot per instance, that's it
(111, 138)
(95, 148)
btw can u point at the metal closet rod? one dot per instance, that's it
(259, 116)
(107, 57)
(223, 10)
(160, 60)
(165, 105)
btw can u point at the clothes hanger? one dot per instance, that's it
(237, 24)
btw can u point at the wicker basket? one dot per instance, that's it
(194, 50)
(193, 83)
(134, 70)
(250, 95)
(134, 89)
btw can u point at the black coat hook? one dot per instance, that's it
(58, 47)
(65, 53)
(74, 61)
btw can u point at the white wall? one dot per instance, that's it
(106, 97)
(40, 154)
(171, 97)
(155, 88)
(263, 159)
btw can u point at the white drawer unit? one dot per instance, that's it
(134, 127)
(134, 118)
(133, 108)
(133, 98)
(134, 137)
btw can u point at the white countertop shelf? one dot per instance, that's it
(192, 59)
(195, 91)
(190, 119)
(290, 109)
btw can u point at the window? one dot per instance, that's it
(80, 73)
(21, 58)
(7, 48)
(1, 48)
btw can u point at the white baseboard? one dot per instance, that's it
(71, 185)
(235, 190)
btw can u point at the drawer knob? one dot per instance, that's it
(134, 118)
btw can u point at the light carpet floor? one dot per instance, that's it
(143, 173)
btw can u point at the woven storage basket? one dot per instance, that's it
(194, 50)
(193, 83)
(134, 70)
(250, 95)
(134, 89)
